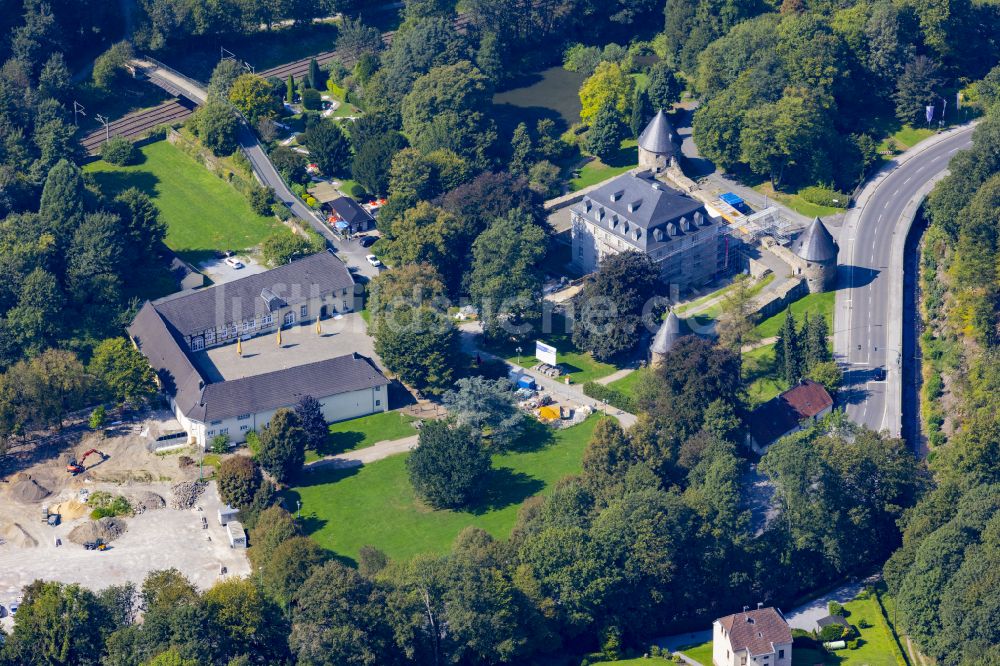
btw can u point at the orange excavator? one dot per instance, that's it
(75, 467)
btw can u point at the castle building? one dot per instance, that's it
(817, 252)
(658, 144)
(664, 340)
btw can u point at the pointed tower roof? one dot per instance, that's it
(659, 136)
(668, 334)
(815, 243)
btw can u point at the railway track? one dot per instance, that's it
(136, 124)
(300, 68)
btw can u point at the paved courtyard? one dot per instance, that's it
(339, 335)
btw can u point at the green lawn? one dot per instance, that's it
(797, 203)
(908, 136)
(761, 375)
(700, 653)
(875, 646)
(580, 366)
(375, 504)
(365, 431)
(638, 661)
(814, 304)
(202, 212)
(628, 383)
(595, 170)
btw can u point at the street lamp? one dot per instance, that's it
(518, 350)
(298, 510)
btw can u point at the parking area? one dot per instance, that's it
(219, 272)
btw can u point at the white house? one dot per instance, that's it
(752, 638)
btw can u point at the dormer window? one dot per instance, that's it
(638, 233)
(614, 221)
(586, 204)
(634, 206)
(615, 196)
(658, 235)
(600, 213)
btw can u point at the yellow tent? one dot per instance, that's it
(239, 347)
(549, 413)
(279, 336)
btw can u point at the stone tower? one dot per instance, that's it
(817, 250)
(658, 144)
(664, 339)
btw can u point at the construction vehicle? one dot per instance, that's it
(45, 513)
(75, 467)
(95, 545)
(53, 519)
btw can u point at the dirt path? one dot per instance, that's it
(615, 376)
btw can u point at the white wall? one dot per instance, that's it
(340, 407)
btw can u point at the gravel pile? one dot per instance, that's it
(145, 500)
(28, 490)
(106, 529)
(186, 494)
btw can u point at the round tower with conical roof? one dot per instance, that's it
(658, 144)
(818, 252)
(665, 339)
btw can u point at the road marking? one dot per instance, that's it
(894, 194)
(908, 179)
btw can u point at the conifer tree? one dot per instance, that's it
(290, 89)
(520, 159)
(788, 350)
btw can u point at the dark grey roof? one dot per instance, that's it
(194, 312)
(642, 201)
(659, 136)
(154, 338)
(832, 619)
(284, 388)
(350, 211)
(670, 331)
(815, 243)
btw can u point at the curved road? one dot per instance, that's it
(870, 316)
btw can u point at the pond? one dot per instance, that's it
(551, 93)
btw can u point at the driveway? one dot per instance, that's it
(806, 615)
(219, 272)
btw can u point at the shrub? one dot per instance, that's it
(654, 651)
(118, 151)
(864, 624)
(831, 632)
(852, 645)
(836, 609)
(220, 444)
(261, 199)
(823, 196)
(106, 505)
(358, 191)
(311, 99)
(238, 480)
(185, 461)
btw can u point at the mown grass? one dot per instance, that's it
(363, 432)
(700, 653)
(595, 170)
(203, 214)
(761, 375)
(796, 202)
(375, 504)
(813, 304)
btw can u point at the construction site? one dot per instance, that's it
(103, 509)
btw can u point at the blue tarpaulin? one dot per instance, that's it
(342, 225)
(524, 381)
(731, 199)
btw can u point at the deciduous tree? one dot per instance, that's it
(450, 466)
(282, 446)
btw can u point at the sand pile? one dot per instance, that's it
(144, 500)
(70, 510)
(106, 529)
(186, 494)
(26, 490)
(13, 534)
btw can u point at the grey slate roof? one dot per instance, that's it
(351, 212)
(652, 201)
(283, 388)
(659, 136)
(194, 312)
(667, 335)
(154, 338)
(815, 243)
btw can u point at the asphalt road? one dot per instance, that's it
(871, 314)
(349, 252)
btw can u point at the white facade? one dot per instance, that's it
(725, 654)
(340, 407)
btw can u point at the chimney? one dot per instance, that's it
(759, 604)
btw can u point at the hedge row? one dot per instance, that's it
(615, 398)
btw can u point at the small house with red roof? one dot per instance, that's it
(797, 408)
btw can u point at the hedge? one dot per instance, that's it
(615, 398)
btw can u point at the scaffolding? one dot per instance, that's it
(768, 222)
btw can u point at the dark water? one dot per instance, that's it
(552, 93)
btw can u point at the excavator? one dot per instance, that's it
(75, 467)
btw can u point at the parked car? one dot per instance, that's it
(880, 374)
(373, 260)
(367, 241)
(233, 262)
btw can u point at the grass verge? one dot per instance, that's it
(701, 653)
(375, 504)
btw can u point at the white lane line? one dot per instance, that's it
(909, 179)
